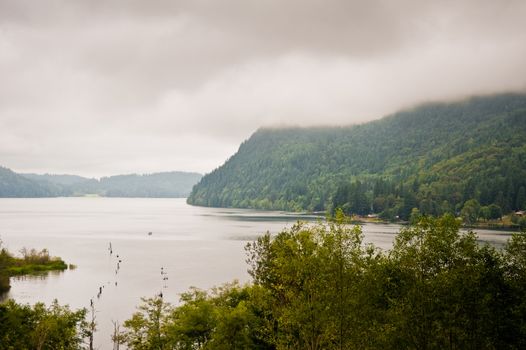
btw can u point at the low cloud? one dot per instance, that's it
(105, 87)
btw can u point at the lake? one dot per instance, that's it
(196, 246)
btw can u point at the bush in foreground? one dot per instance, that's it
(320, 287)
(40, 327)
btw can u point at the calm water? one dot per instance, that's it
(197, 246)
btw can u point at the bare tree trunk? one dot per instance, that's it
(115, 337)
(92, 327)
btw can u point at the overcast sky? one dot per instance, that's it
(100, 87)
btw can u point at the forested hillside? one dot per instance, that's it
(435, 158)
(15, 185)
(167, 184)
(57, 179)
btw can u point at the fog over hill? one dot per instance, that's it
(117, 87)
(435, 158)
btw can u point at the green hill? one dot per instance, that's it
(57, 179)
(16, 185)
(166, 184)
(434, 157)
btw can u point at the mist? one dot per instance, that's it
(105, 87)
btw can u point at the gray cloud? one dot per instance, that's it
(102, 87)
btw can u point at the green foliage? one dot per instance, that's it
(515, 273)
(194, 321)
(40, 327)
(470, 212)
(495, 212)
(434, 158)
(448, 291)
(415, 216)
(320, 287)
(227, 318)
(28, 269)
(521, 198)
(5, 262)
(315, 281)
(147, 329)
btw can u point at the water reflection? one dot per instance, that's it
(36, 279)
(42, 275)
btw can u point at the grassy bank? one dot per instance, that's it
(31, 262)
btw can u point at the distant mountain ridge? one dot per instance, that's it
(16, 185)
(434, 158)
(58, 179)
(160, 185)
